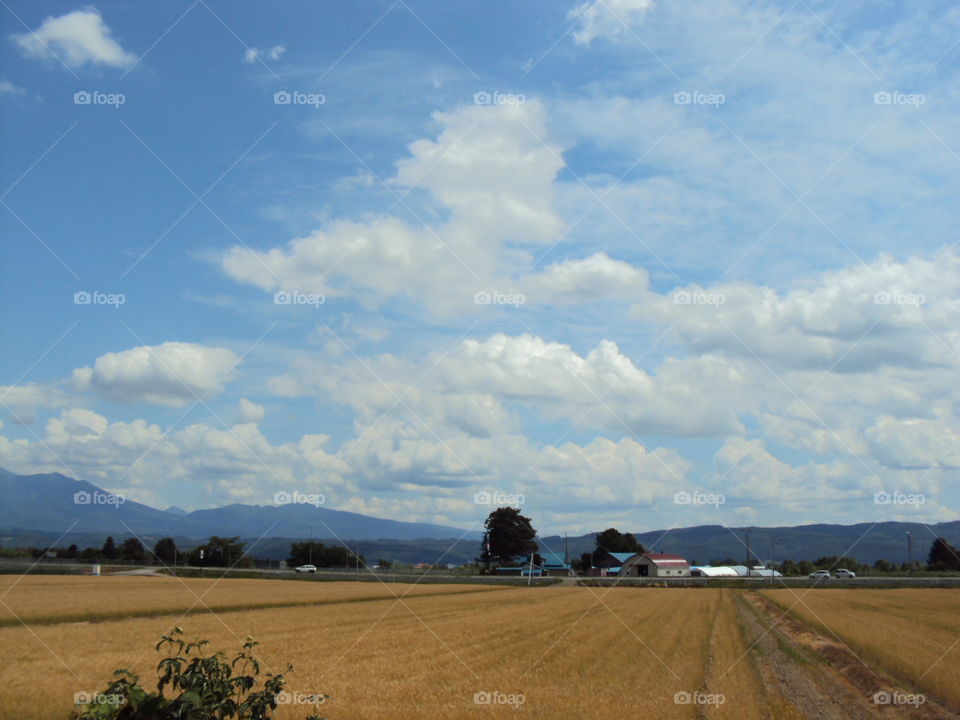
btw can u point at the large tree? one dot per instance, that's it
(508, 535)
(132, 550)
(166, 550)
(612, 540)
(220, 552)
(109, 549)
(943, 556)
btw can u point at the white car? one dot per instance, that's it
(820, 575)
(844, 573)
(306, 569)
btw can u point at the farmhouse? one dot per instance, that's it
(655, 565)
(607, 563)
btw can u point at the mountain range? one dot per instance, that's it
(38, 510)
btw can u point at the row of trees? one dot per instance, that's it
(510, 535)
(216, 552)
(316, 553)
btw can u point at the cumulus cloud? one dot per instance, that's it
(78, 38)
(607, 18)
(253, 54)
(489, 174)
(173, 373)
(249, 412)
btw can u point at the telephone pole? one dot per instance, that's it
(909, 553)
(310, 560)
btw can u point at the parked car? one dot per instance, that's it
(306, 569)
(820, 575)
(844, 573)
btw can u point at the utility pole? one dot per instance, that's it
(909, 553)
(772, 564)
(310, 562)
(749, 554)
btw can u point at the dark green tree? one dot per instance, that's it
(508, 535)
(612, 540)
(109, 549)
(132, 550)
(943, 556)
(70, 552)
(165, 551)
(220, 552)
(884, 566)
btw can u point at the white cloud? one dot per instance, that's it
(249, 412)
(77, 38)
(173, 373)
(8, 88)
(253, 54)
(607, 18)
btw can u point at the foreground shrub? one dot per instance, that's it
(192, 686)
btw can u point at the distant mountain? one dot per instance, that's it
(57, 503)
(174, 510)
(41, 510)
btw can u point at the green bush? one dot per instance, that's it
(193, 686)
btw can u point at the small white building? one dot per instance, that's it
(659, 565)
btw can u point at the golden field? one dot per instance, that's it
(568, 652)
(59, 598)
(571, 652)
(914, 634)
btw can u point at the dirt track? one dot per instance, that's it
(818, 676)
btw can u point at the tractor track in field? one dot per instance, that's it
(819, 676)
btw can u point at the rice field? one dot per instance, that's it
(913, 634)
(433, 652)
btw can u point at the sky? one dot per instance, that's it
(631, 263)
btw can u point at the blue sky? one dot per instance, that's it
(609, 256)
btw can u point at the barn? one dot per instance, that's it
(659, 565)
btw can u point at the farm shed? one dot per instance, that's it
(606, 563)
(655, 565)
